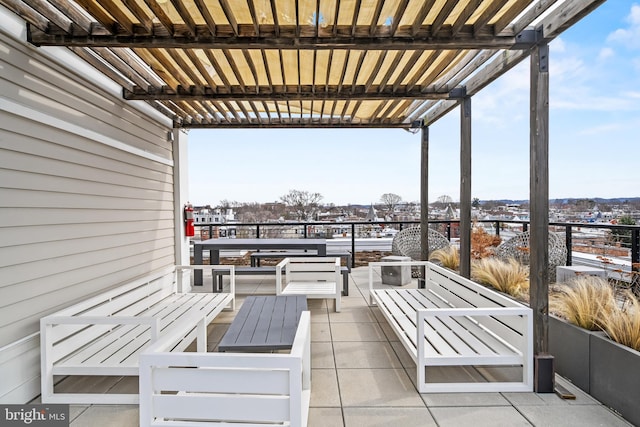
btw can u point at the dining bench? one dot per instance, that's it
(245, 270)
(455, 322)
(105, 334)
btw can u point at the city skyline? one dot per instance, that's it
(594, 105)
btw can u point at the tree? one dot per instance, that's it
(303, 203)
(390, 201)
(443, 201)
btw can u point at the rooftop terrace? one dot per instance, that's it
(362, 376)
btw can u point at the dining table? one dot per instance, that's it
(217, 245)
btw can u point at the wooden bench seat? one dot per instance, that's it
(457, 322)
(257, 256)
(104, 335)
(227, 389)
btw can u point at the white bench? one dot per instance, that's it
(104, 335)
(316, 277)
(230, 389)
(457, 322)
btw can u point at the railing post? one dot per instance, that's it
(498, 228)
(353, 245)
(304, 230)
(635, 250)
(569, 242)
(257, 231)
(525, 227)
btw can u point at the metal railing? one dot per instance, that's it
(615, 237)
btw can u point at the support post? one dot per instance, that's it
(181, 197)
(539, 201)
(424, 194)
(465, 187)
(424, 199)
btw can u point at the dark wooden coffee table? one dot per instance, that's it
(264, 323)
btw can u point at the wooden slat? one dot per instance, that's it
(424, 11)
(71, 10)
(140, 13)
(206, 15)
(185, 15)
(468, 10)
(511, 14)
(159, 13)
(52, 14)
(228, 13)
(276, 23)
(397, 17)
(30, 15)
(114, 10)
(116, 76)
(373, 26)
(356, 12)
(488, 14)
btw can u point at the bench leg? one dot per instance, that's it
(345, 285)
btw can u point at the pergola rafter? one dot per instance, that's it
(372, 62)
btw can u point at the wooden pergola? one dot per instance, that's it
(328, 63)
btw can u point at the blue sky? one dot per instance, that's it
(594, 141)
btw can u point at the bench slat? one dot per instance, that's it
(229, 407)
(251, 381)
(310, 289)
(470, 337)
(403, 320)
(122, 346)
(510, 328)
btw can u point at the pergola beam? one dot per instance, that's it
(299, 123)
(284, 93)
(204, 40)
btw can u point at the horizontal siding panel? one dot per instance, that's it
(46, 271)
(44, 199)
(23, 318)
(75, 100)
(34, 252)
(18, 180)
(23, 136)
(40, 222)
(81, 169)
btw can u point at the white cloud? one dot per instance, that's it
(557, 45)
(605, 53)
(630, 36)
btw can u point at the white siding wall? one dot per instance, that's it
(86, 193)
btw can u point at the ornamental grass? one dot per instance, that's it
(448, 257)
(622, 322)
(584, 301)
(509, 277)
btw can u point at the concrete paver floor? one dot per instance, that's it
(362, 376)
